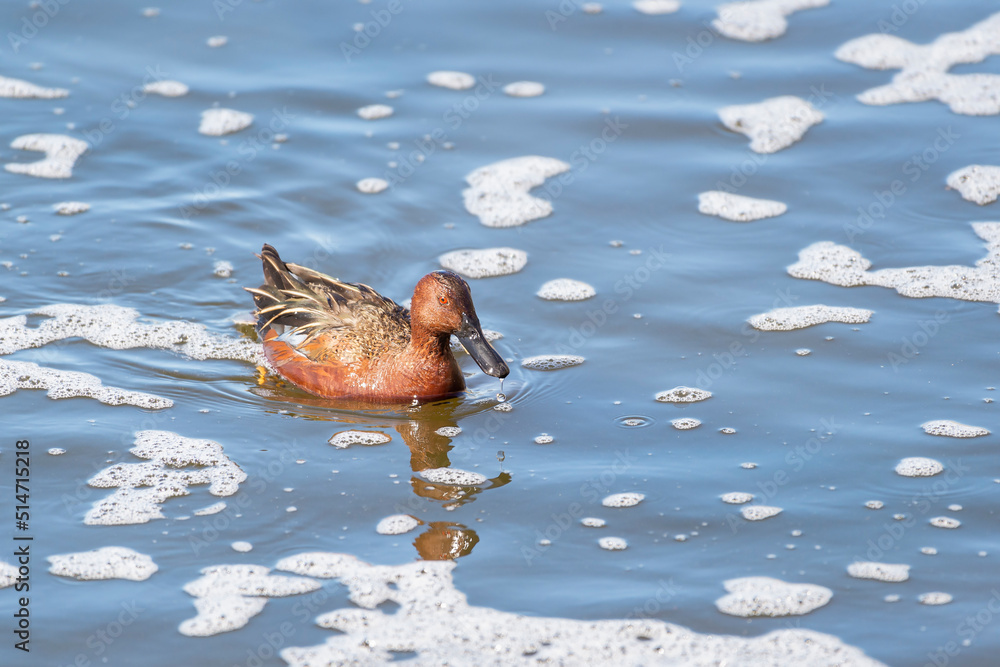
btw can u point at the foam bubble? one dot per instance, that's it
(451, 79)
(345, 439)
(613, 543)
(223, 269)
(840, 265)
(435, 621)
(763, 596)
(551, 362)
(654, 7)
(241, 546)
(773, 124)
(928, 551)
(449, 431)
(8, 575)
(61, 153)
(375, 111)
(217, 41)
(888, 572)
(524, 89)
(22, 89)
(683, 395)
(759, 512)
(218, 122)
(737, 207)
(935, 598)
(166, 88)
(565, 289)
(454, 476)
(592, 8)
(397, 524)
(800, 317)
(976, 183)
(214, 508)
(945, 522)
(372, 186)
(953, 429)
(924, 68)
(55, 451)
(737, 498)
(918, 466)
(105, 563)
(174, 463)
(71, 207)
(593, 522)
(499, 193)
(228, 596)
(16, 375)
(759, 20)
(874, 504)
(485, 263)
(544, 439)
(685, 423)
(628, 499)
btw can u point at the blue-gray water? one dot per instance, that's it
(854, 406)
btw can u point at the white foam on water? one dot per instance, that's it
(759, 20)
(61, 153)
(55, 451)
(524, 89)
(544, 439)
(219, 122)
(924, 69)
(222, 268)
(71, 207)
(228, 596)
(953, 429)
(166, 88)
(372, 186)
(435, 621)
(551, 362)
(173, 463)
(499, 192)
(451, 79)
(612, 543)
(592, 8)
(565, 289)
(683, 394)
(759, 512)
(216, 41)
(241, 546)
(764, 596)
(8, 574)
(800, 317)
(976, 183)
(397, 524)
(874, 504)
(345, 439)
(484, 263)
(118, 328)
(593, 522)
(628, 499)
(454, 476)
(22, 89)
(928, 551)
(888, 572)
(773, 124)
(655, 7)
(685, 423)
(449, 431)
(375, 111)
(935, 598)
(737, 498)
(104, 563)
(945, 522)
(16, 375)
(737, 207)
(918, 466)
(214, 508)
(840, 265)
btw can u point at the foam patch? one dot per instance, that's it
(375, 111)
(166, 88)
(485, 263)
(71, 207)
(918, 466)
(565, 289)
(372, 186)
(889, 572)
(773, 124)
(737, 207)
(345, 439)
(453, 476)
(683, 395)
(976, 183)
(953, 429)
(924, 68)
(22, 89)
(451, 80)
(759, 512)
(524, 89)
(761, 19)
(628, 499)
(61, 153)
(499, 193)
(173, 463)
(219, 122)
(800, 317)
(763, 596)
(16, 375)
(551, 362)
(106, 563)
(397, 524)
(656, 7)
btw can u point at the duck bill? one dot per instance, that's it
(472, 339)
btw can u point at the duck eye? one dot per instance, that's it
(443, 300)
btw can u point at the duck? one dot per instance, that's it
(341, 340)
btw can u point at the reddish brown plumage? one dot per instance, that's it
(344, 340)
